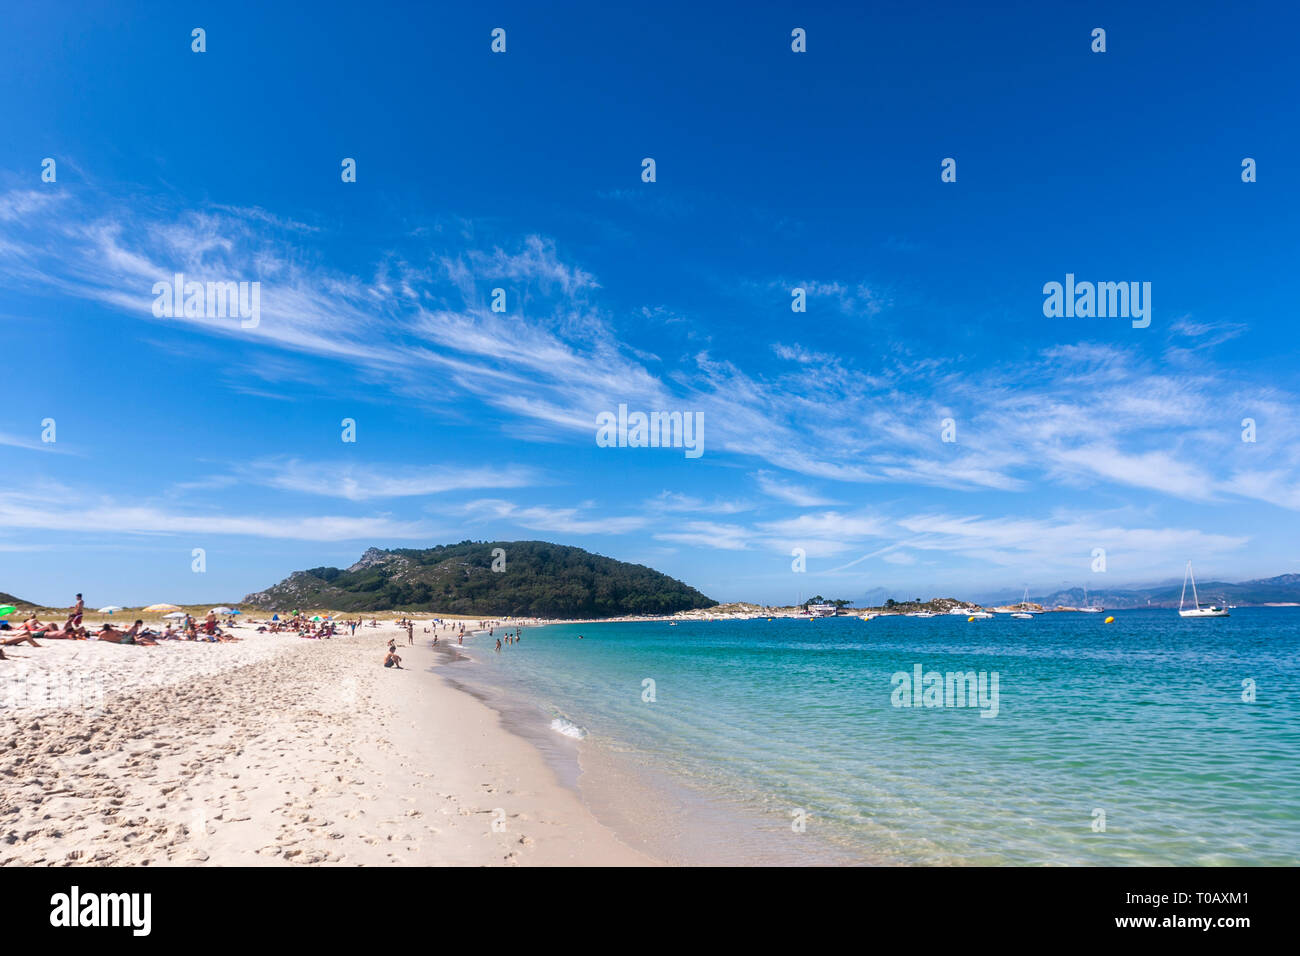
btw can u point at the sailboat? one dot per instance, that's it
(1212, 610)
(1022, 614)
(1088, 608)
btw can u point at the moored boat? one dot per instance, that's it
(1212, 610)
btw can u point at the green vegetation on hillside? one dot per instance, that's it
(534, 579)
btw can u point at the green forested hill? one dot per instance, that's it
(539, 579)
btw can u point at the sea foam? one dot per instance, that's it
(568, 728)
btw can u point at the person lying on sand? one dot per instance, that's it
(392, 660)
(131, 635)
(108, 633)
(26, 631)
(22, 637)
(69, 633)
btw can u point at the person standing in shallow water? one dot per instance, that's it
(498, 645)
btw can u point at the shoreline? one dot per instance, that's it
(646, 805)
(278, 751)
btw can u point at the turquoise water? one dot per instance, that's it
(1142, 719)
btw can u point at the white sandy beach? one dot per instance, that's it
(275, 750)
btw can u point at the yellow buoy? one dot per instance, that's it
(969, 619)
(1110, 620)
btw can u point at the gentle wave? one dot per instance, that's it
(568, 728)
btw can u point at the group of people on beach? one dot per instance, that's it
(457, 628)
(73, 629)
(303, 626)
(210, 629)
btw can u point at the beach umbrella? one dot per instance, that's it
(316, 618)
(7, 609)
(236, 611)
(275, 617)
(154, 608)
(110, 609)
(176, 615)
(220, 610)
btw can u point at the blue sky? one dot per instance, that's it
(522, 171)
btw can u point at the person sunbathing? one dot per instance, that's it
(130, 636)
(23, 637)
(69, 633)
(27, 630)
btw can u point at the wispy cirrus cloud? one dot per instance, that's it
(364, 483)
(87, 517)
(709, 534)
(672, 501)
(793, 494)
(1084, 415)
(542, 518)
